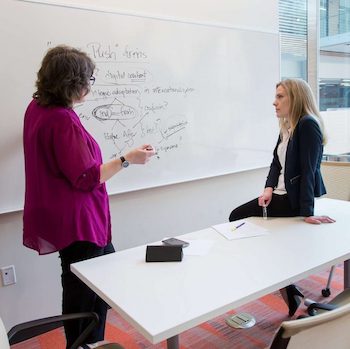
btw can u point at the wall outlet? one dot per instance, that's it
(8, 275)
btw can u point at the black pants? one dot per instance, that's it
(278, 207)
(77, 297)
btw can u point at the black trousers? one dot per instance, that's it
(278, 207)
(77, 297)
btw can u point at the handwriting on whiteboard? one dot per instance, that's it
(135, 100)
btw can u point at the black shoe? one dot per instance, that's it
(294, 300)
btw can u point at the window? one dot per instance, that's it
(330, 69)
(334, 73)
(293, 32)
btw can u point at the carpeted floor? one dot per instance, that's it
(269, 312)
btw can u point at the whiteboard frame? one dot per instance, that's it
(173, 19)
(107, 9)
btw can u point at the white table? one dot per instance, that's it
(161, 300)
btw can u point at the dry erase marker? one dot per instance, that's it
(264, 209)
(150, 148)
(238, 226)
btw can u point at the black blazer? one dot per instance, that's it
(302, 175)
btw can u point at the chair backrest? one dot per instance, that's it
(4, 343)
(324, 331)
(336, 179)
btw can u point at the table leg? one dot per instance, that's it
(173, 342)
(346, 274)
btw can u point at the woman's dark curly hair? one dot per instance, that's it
(63, 77)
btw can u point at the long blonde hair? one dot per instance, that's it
(301, 102)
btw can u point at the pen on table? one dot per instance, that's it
(238, 226)
(264, 208)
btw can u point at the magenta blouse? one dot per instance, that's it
(64, 200)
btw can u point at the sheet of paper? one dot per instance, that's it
(198, 247)
(239, 230)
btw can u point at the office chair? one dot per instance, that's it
(328, 329)
(30, 329)
(336, 179)
(315, 308)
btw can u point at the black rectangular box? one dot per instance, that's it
(163, 253)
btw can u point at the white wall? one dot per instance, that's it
(239, 13)
(143, 216)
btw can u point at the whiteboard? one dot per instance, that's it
(201, 95)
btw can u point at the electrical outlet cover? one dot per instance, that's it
(8, 275)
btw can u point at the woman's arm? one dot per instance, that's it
(310, 153)
(275, 169)
(136, 156)
(265, 198)
(318, 219)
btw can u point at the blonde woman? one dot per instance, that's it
(294, 179)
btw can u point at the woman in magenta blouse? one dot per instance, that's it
(66, 205)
